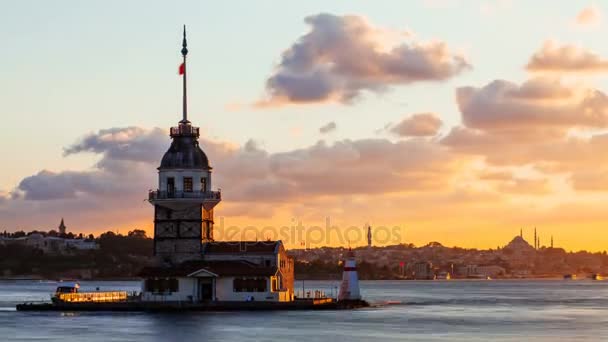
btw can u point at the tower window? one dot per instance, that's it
(187, 184)
(203, 184)
(170, 186)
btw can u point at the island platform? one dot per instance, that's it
(142, 306)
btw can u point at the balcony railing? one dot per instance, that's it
(204, 195)
(184, 130)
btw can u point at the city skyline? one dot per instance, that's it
(458, 136)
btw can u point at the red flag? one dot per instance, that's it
(182, 68)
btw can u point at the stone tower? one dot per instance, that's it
(183, 202)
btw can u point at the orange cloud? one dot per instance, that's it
(430, 190)
(553, 57)
(537, 108)
(112, 191)
(590, 180)
(514, 153)
(589, 16)
(418, 125)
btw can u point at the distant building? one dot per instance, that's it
(423, 271)
(519, 254)
(475, 271)
(518, 246)
(81, 244)
(444, 275)
(62, 228)
(52, 244)
(490, 271)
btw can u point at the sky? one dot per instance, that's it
(459, 121)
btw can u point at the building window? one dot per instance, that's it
(204, 184)
(187, 184)
(162, 285)
(170, 186)
(249, 285)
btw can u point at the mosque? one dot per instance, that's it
(190, 265)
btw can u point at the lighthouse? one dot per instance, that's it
(183, 202)
(349, 289)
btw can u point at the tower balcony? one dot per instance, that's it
(184, 130)
(176, 199)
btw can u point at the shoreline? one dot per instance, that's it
(40, 279)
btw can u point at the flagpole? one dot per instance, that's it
(185, 104)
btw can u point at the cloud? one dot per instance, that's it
(418, 125)
(129, 143)
(333, 170)
(544, 124)
(590, 180)
(340, 168)
(112, 191)
(342, 56)
(126, 155)
(329, 127)
(234, 106)
(507, 182)
(537, 108)
(404, 183)
(553, 57)
(589, 16)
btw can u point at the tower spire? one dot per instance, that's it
(185, 102)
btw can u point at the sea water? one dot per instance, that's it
(499, 310)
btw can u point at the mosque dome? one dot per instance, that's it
(518, 244)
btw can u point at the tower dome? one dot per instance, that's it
(185, 152)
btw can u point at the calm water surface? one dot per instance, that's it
(435, 310)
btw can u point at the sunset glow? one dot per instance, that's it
(353, 114)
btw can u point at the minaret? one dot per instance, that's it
(369, 236)
(551, 241)
(349, 288)
(521, 233)
(535, 239)
(62, 228)
(183, 202)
